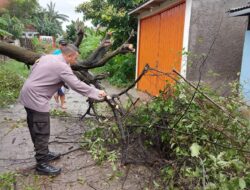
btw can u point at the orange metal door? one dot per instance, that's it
(160, 46)
(171, 38)
(148, 51)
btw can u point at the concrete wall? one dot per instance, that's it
(209, 22)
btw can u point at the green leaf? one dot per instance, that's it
(156, 184)
(195, 150)
(242, 183)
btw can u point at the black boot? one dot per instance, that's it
(52, 156)
(46, 169)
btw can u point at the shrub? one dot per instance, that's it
(12, 76)
(205, 147)
(90, 43)
(121, 70)
(191, 142)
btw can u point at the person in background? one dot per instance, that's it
(61, 91)
(47, 75)
(61, 43)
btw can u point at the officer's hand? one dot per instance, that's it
(102, 93)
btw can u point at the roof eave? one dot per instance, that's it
(146, 6)
(245, 12)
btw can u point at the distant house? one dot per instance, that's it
(50, 40)
(201, 27)
(244, 11)
(26, 39)
(30, 32)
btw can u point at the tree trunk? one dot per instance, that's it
(18, 53)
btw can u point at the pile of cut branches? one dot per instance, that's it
(192, 137)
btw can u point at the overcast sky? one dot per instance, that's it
(66, 7)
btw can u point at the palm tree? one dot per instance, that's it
(54, 15)
(48, 21)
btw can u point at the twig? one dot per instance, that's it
(90, 165)
(70, 151)
(214, 143)
(34, 166)
(90, 185)
(126, 176)
(203, 174)
(208, 98)
(145, 70)
(88, 110)
(61, 142)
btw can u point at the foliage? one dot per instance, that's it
(17, 15)
(13, 25)
(90, 42)
(7, 180)
(204, 145)
(97, 139)
(72, 28)
(112, 15)
(12, 76)
(22, 9)
(3, 28)
(121, 70)
(17, 67)
(46, 21)
(201, 147)
(42, 47)
(71, 32)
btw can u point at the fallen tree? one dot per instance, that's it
(98, 58)
(192, 141)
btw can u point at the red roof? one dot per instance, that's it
(30, 28)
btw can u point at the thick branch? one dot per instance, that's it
(100, 57)
(18, 53)
(79, 38)
(100, 51)
(125, 48)
(88, 78)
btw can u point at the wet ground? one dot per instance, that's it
(79, 170)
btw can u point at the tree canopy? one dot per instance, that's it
(72, 28)
(49, 21)
(16, 16)
(21, 9)
(111, 15)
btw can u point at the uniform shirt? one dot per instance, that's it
(46, 77)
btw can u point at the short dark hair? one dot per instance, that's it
(63, 42)
(70, 48)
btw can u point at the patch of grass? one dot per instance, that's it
(7, 180)
(15, 66)
(59, 113)
(12, 77)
